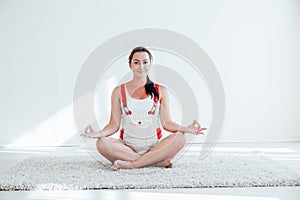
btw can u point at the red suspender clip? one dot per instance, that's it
(158, 132)
(122, 133)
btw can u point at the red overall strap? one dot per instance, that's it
(123, 93)
(158, 130)
(127, 111)
(157, 90)
(124, 101)
(155, 100)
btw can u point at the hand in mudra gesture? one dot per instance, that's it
(195, 128)
(89, 132)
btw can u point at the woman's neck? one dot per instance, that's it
(137, 81)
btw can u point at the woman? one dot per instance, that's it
(142, 106)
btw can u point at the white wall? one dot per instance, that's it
(254, 45)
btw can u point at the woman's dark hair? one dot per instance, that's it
(149, 86)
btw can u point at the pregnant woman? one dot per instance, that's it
(139, 109)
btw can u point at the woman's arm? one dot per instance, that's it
(165, 116)
(115, 118)
(166, 120)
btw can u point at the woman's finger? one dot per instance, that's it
(87, 129)
(199, 132)
(84, 135)
(196, 123)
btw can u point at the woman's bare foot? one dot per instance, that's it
(121, 164)
(166, 163)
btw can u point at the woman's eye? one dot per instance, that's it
(135, 63)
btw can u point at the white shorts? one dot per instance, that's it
(140, 145)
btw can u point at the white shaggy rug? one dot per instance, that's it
(84, 172)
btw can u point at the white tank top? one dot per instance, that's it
(140, 124)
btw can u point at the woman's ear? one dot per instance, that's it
(129, 65)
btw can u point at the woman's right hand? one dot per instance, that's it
(89, 132)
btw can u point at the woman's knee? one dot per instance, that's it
(179, 139)
(103, 144)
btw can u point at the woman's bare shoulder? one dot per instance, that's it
(162, 88)
(163, 91)
(116, 91)
(118, 87)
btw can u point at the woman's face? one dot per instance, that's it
(140, 64)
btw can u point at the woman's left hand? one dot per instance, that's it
(195, 128)
(89, 132)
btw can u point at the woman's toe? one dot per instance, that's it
(115, 166)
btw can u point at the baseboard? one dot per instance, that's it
(4, 144)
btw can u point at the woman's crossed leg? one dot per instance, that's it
(123, 156)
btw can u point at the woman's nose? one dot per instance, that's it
(142, 66)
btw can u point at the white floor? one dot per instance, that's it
(287, 153)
